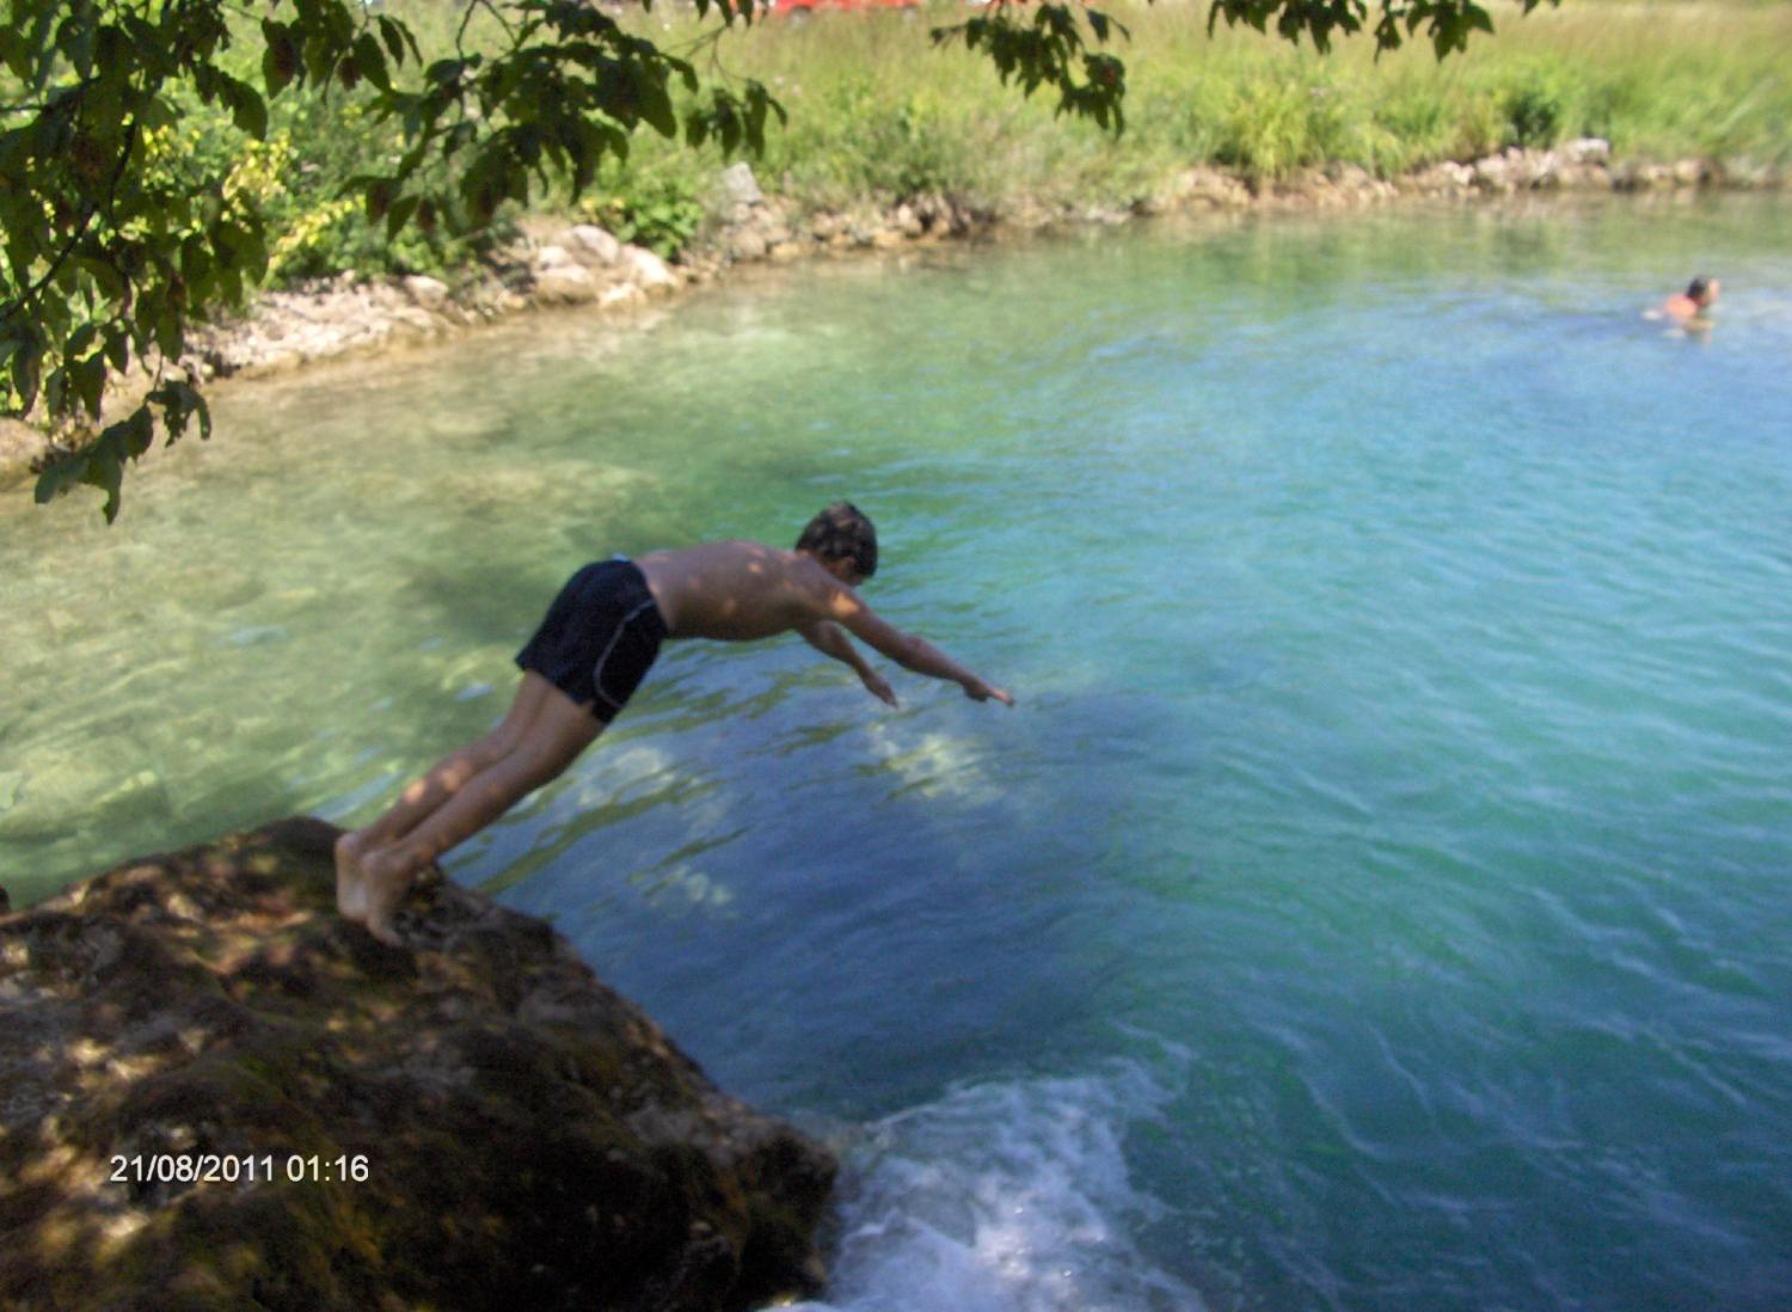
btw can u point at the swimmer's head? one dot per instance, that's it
(842, 532)
(1702, 291)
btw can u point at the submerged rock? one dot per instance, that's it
(473, 1121)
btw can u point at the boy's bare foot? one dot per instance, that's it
(351, 880)
(386, 884)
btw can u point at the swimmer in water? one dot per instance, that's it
(1688, 308)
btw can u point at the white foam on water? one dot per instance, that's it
(1008, 1197)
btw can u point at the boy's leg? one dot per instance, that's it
(553, 739)
(447, 777)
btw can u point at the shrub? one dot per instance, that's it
(1535, 109)
(661, 213)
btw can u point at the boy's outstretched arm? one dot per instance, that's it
(906, 649)
(831, 640)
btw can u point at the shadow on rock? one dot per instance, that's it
(218, 1094)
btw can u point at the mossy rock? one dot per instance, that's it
(528, 1139)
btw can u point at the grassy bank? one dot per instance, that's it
(875, 112)
(872, 111)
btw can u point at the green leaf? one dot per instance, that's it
(320, 58)
(16, 55)
(27, 366)
(371, 61)
(393, 35)
(155, 113)
(378, 197)
(105, 274)
(56, 393)
(247, 109)
(180, 402)
(205, 416)
(104, 468)
(445, 71)
(230, 285)
(195, 262)
(57, 478)
(656, 107)
(279, 57)
(400, 214)
(136, 434)
(90, 383)
(169, 337)
(254, 252)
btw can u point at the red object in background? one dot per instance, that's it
(811, 6)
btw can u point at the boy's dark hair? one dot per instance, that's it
(842, 532)
(1697, 287)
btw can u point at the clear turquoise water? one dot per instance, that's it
(1378, 899)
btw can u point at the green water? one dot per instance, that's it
(1377, 899)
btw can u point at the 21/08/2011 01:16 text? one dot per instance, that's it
(228, 1168)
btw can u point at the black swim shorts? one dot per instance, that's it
(599, 637)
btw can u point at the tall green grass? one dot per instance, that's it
(874, 111)
(877, 114)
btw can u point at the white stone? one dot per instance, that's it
(1494, 171)
(552, 257)
(740, 186)
(647, 269)
(566, 284)
(746, 244)
(593, 241)
(1587, 150)
(425, 291)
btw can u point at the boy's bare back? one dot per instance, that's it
(741, 591)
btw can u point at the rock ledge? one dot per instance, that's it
(528, 1138)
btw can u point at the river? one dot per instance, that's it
(1377, 899)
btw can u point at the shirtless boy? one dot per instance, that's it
(590, 653)
(1688, 307)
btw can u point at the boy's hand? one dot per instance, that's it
(979, 691)
(878, 688)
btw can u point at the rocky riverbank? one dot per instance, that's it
(582, 265)
(215, 1093)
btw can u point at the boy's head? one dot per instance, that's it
(1702, 290)
(842, 532)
